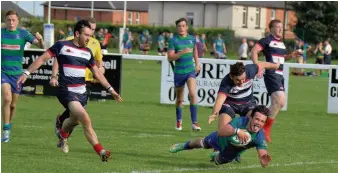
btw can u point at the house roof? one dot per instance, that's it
(265, 4)
(108, 5)
(9, 5)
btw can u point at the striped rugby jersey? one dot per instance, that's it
(242, 94)
(184, 64)
(273, 49)
(12, 50)
(72, 61)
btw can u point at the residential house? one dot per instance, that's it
(247, 18)
(104, 11)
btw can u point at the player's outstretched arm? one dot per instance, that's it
(217, 107)
(103, 81)
(264, 157)
(34, 66)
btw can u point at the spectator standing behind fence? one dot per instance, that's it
(305, 47)
(145, 42)
(168, 36)
(125, 41)
(243, 50)
(319, 52)
(199, 46)
(130, 43)
(70, 31)
(203, 40)
(105, 42)
(161, 44)
(61, 36)
(299, 57)
(100, 36)
(219, 47)
(327, 52)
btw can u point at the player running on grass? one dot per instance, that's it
(13, 40)
(274, 51)
(94, 46)
(182, 49)
(220, 140)
(73, 58)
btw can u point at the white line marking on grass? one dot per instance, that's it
(145, 135)
(224, 167)
(29, 126)
(140, 135)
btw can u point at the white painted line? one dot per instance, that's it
(145, 135)
(29, 126)
(139, 135)
(224, 167)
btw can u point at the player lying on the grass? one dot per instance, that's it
(240, 134)
(235, 94)
(73, 58)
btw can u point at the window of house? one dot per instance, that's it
(245, 17)
(258, 17)
(190, 18)
(137, 18)
(273, 14)
(130, 18)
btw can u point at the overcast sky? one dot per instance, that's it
(28, 6)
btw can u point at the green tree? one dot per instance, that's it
(317, 20)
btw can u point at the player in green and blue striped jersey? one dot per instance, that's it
(13, 40)
(182, 49)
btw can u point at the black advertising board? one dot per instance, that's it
(38, 81)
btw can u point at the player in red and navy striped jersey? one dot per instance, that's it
(274, 51)
(73, 57)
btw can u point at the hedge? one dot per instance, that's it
(35, 25)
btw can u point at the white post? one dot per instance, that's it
(49, 7)
(124, 25)
(124, 14)
(34, 8)
(92, 10)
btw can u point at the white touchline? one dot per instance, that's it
(29, 126)
(224, 167)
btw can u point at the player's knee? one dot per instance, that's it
(192, 96)
(86, 122)
(179, 102)
(281, 103)
(7, 99)
(13, 106)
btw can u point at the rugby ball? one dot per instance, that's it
(235, 141)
